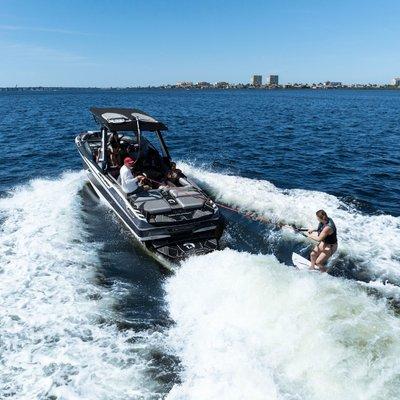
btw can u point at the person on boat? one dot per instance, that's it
(133, 150)
(173, 175)
(114, 150)
(326, 235)
(129, 183)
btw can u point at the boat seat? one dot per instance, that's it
(191, 202)
(155, 206)
(184, 191)
(146, 195)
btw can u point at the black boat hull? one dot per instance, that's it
(170, 244)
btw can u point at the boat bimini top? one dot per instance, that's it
(126, 119)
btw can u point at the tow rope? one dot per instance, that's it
(253, 216)
(250, 215)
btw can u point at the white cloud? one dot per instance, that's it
(42, 29)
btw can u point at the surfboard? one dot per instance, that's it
(300, 262)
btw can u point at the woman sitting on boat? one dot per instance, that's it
(173, 175)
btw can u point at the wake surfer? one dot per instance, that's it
(325, 234)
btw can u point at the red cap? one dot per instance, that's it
(129, 160)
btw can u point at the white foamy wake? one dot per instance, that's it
(248, 327)
(56, 338)
(373, 241)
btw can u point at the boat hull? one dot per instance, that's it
(170, 244)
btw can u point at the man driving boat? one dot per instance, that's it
(129, 183)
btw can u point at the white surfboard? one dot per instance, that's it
(301, 262)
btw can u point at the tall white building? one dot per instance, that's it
(396, 81)
(256, 80)
(273, 80)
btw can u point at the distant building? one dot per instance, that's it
(184, 84)
(329, 84)
(256, 80)
(222, 85)
(396, 81)
(203, 84)
(273, 80)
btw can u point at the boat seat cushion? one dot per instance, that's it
(156, 206)
(146, 195)
(190, 203)
(184, 191)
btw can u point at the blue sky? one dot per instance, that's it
(129, 43)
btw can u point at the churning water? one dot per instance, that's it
(84, 314)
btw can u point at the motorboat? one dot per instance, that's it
(172, 219)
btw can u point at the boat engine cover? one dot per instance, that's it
(190, 203)
(188, 197)
(154, 207)
(184, 191)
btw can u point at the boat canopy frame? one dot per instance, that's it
(126, 119)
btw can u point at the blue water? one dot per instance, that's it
(340, 142)
(76, 287)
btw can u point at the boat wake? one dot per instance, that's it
(370, 242)
(248, 327)
(58, 336)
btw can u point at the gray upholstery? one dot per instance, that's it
(154, 202)
(184, 191)
(190, 203)
(157, 206)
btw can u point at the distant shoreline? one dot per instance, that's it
(175, 87)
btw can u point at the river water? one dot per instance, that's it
(85, 314)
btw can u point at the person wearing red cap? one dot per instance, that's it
(129, 183)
